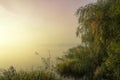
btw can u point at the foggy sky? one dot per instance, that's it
(30, 25)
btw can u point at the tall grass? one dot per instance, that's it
(12, 74)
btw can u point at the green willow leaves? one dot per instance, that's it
(99, 29)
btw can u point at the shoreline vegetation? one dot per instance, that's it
(98, 56)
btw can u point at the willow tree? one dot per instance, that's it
(99, 29)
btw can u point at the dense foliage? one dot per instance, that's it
(98, 57)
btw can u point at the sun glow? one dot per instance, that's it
(7, 36)
(27, 26)
(10, 27)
